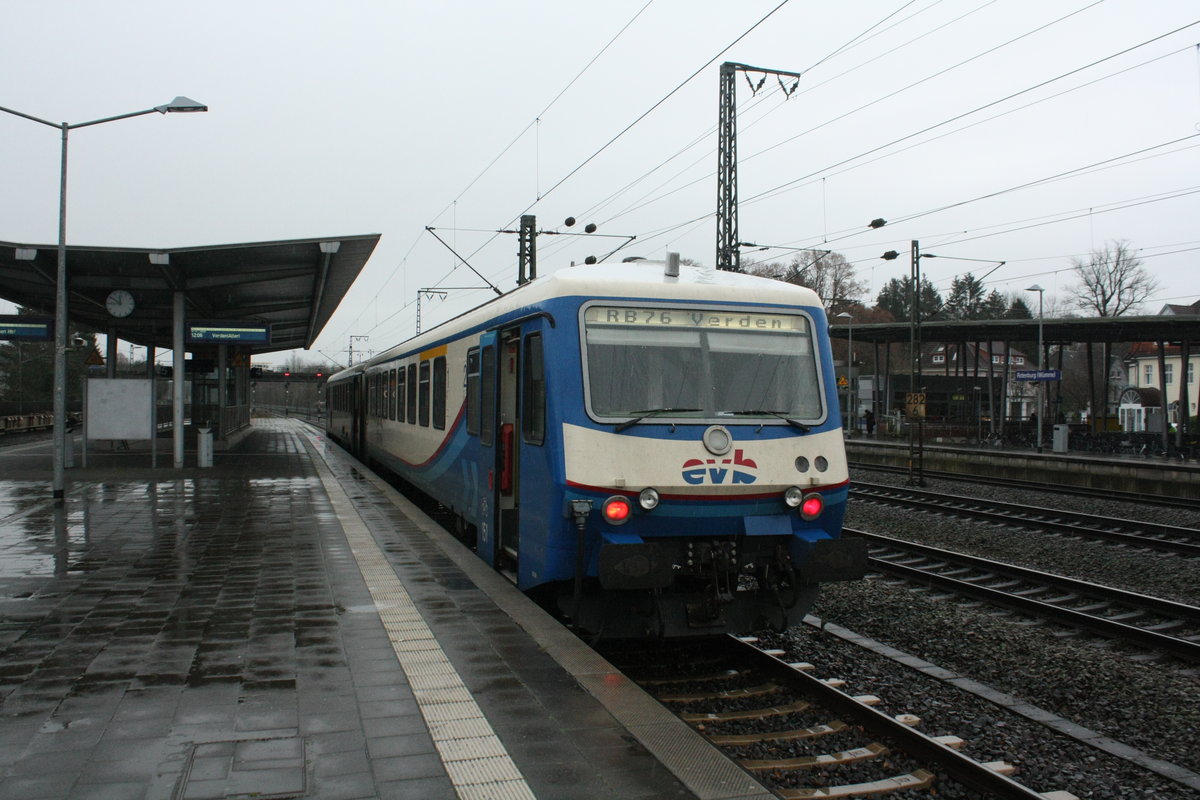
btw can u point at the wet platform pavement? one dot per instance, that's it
(285, 625)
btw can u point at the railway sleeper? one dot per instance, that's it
(796, 734)
(726, 675)
(728, 694)
(986, 576)
(1169, 625)
(1007, 584)
(873, 750)
(1092, 607)
(760, 713)
(918, 779)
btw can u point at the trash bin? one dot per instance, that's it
(204, 447)
(1061, 434)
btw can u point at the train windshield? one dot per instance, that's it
(701, 363)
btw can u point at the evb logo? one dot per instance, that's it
(714, 471)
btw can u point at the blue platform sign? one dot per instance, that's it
(1037, 374)
(228, 332)
(26, 329)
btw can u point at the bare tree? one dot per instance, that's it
(827, 273)
(1112, 282)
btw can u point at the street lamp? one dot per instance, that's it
(916, 444)
(1040, 411)
(850, 412)
(978, 415)
(178, 105)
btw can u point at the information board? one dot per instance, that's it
(17, 328)
(228, 332)
(120, 408)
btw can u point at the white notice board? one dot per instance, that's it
(119, 408)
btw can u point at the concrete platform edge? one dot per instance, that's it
(683, 751)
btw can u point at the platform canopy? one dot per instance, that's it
(293, 286)
(1166, 328)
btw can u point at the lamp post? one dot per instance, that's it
(916, 443)
(851, 417)
(1041, 384)
(179, 104)
(916, 448)
(978, 415)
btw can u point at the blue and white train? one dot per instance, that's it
(647, 449)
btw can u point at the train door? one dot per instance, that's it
(358, 416)
(508, 468)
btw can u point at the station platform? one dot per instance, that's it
(283, 625)
(1152, 477)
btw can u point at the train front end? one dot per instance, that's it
(706, 473)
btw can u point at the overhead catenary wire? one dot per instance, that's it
(983, 107)
(825, 171)
(691, 221)
(627, 128)
(812, 176)
(403, 261)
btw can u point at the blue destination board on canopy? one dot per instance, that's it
(26, 329)
(228, 332)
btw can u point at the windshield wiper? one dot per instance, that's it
(761, 412)
(650, 412)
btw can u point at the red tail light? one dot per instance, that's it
(616, 510)
(812, 506)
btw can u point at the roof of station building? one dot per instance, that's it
(1165, 328)
(294, 285)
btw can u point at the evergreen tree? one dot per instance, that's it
(895, 294)
(27, 372)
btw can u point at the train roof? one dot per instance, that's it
(641, 279)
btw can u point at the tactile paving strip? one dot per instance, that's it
(476, 761)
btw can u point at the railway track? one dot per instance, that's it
(1160, 625)
(804, 736)
(1192, 504)
(1133, 533)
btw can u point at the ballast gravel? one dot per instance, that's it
(1148, 704)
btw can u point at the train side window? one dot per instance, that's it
(533, 392)
(472, 391)
(423, 395)
(412, 393)
(400, 394)
(439, 393)
(392, 392)
(371, 402)
(487, 396)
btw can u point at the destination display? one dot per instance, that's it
(692, 318)
(229, 332)
(26, 329)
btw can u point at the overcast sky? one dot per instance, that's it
(377, 116)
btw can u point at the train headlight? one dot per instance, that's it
(718, 440)
(616, 510)
(648, 499)
(812, 506)
(794, 496)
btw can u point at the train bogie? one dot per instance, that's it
(647, 454)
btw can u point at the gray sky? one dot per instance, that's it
(344, 118)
